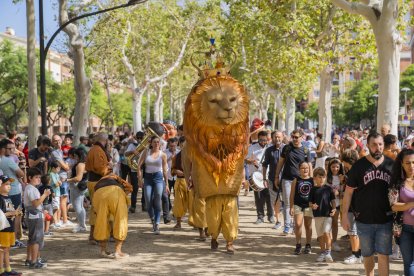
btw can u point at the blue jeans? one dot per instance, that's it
(286, 186)
(407, 249)
(77, 197)
(375, 238)
(153, 189)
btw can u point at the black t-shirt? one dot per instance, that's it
(35, 154)
(302, 190)
(371, 204)
(42, 189)
(6, 205)
(271, 157)
(293, 156)
(322, 196)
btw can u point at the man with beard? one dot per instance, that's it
(367, 186)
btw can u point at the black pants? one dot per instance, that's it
(125, 170)
(260, 199)
(166, 204)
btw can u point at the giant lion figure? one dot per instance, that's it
(216, 130)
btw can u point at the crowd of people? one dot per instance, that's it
(362, 179)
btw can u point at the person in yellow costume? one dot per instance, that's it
(216, 130)
(110, 202)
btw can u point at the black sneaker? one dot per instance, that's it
(37, 265)
(298, 249)
(308, 249)
(12, 272)
(27, 262)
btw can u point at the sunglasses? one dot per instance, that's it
(295, 137)
(262, 140)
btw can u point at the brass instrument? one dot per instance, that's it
(132, 159)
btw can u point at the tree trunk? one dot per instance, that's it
(158, 102)
(325, 102)
(111, 119)
(148, 115)
(31, 68)
(389, 79)
(274, 114)
(290, 114)
(281, 115)
(83, 84)
(383, 16)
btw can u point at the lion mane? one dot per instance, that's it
(220, 146)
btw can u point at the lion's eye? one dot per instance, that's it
(232, 99)
(213, 101)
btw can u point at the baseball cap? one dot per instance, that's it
(5, 178)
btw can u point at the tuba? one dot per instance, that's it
(132, 160)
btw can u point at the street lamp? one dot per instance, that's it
(375, 96)
(44, 50)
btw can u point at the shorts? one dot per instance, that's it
(16, 200)
(323, 225)
(48, 208)
(352, 225)
(375, 238)
(56, 203)
(64, 189)
(307, 212)
(274, 195)
(35, 226)
(7, 239)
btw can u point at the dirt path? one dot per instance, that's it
(260, 250)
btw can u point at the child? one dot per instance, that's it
(55, 183)
(34, 216)
(47, 204)
(335, 178)
(322, 202)
(7, 237)
(299, 195)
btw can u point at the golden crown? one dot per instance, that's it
(213, 64)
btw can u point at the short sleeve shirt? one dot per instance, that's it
(35, 154)
(322, 196)
(132, 147)
(302, 191)
(271, 158)
(9, 168)
(371, 184)
(293, 156)
(57, 155)
(30, 194)
(6, 205)
(256, 153)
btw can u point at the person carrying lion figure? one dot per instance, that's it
(216, 130)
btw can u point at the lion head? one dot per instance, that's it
(216, 122)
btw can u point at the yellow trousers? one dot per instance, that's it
(110, 201)
(91, 190)
(222, 216)
(199, 212)
(180, 198)
(191, 207)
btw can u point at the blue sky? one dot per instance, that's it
(14, 15)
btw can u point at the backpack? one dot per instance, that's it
(305, 149)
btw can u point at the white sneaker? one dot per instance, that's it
(79, 229)
(321, 257)
(68, 224)
(328, 258)
(54, 226)
(336, 247)
(353, 260)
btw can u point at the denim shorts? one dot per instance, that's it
(64, 189)
(375, 238)
(352, 225)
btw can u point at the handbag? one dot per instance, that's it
(82, 185)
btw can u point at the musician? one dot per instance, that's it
(171, 151)
(254, 158)
(132, 150)
(270, 159)
(110, 200)
(97, 165)
(180, 186)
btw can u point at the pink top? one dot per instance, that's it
(407, 196)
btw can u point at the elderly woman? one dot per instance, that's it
(155, 180)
